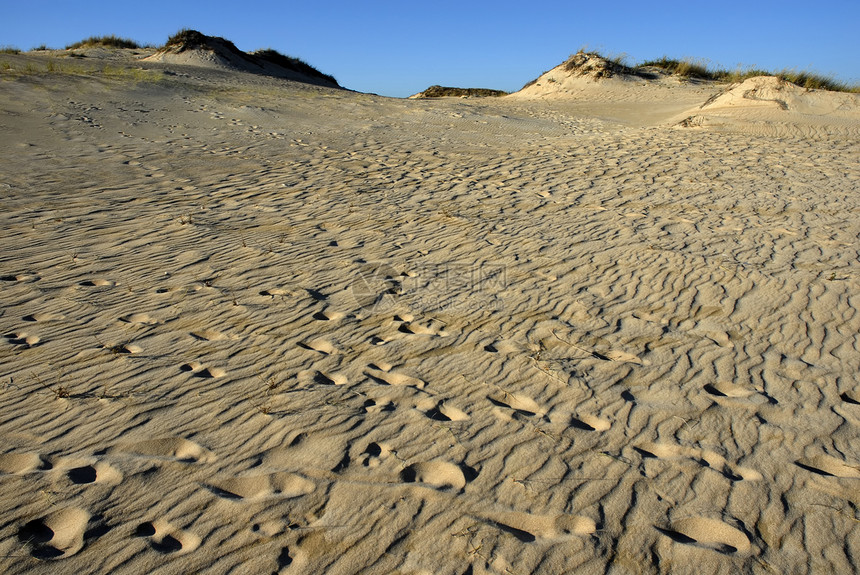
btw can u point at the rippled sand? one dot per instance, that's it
(254, 326)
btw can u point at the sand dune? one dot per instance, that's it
(191, 48)
(770, 106)
(253, 325)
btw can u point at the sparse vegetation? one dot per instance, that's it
(683, 68)
(290, 63)
(105, 41)
(187, 39)
(598, 66)
(9, 50)
(688, 68)
(445, 91)
(594, 64)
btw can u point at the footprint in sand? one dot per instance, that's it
(709, 534)
(57, 535)
(23, 338)
(445, 412)
(590, 423)
(43, 317)
(123, 348)
(167, 539)
(208, 335)
(329, 315)
(728, 394)
(851, 397)
(99, 472)
(141, 319)
(375, 454)
(408, 325)
(18, 463)
(703, 457)
(504, 347)
(282, 485)
(98, 282)
(528, 527)
(438, 474)
(167, 449)
(317, 377)
(320, 345)
(20, 277)
(394, 378)
(621, 357)
(379, 405)
(520, 403)
(275, 292)
(830, 466)
(850, 407)
(199, 370)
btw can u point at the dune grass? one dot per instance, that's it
(689, 68)
(187, 39)
(111, 41)
(9, 50)
(601, 66)
(291, 63)
(446, 91)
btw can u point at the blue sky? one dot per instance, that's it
(397, 48)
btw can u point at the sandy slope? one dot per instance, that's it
(253, 326)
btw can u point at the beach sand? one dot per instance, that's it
(256, 326)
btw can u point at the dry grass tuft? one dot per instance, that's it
(290, 63)
(688, 68)
(111, 41)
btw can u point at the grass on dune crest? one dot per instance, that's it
(291, 63)
(599, 65)
(689, 68)
(111, 41)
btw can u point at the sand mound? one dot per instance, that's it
(577, 72)
(193, 48)
(775, 93)
(770, 105)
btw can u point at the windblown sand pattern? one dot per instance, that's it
(254, 326)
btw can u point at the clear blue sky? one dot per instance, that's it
(397, 48)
